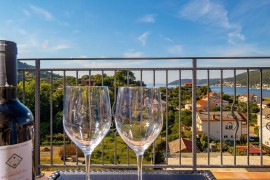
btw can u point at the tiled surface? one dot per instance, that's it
(242, 175)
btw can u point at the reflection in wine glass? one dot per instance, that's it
(139, 118)
(87, 117)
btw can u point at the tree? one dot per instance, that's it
(216, 108)
(227, 97)
(45, 112)
(160, 150)
(201, 91)
(253, 107)
(29, 94)
(123, 77)
(203, 142)
(186, 118)
(30, 97)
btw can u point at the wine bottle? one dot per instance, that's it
(16, 120)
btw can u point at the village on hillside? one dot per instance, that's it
(221, 125)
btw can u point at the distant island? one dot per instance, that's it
(241, 80)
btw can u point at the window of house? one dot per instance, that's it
(229, 126)
(225, 136)
(231, 136)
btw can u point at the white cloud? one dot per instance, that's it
(26, 12)
(22, 32)
(207, 12)
(104, 63)
(9, 21)
(168, 39)
(29, 45)
(175, 49)
(239, 50)
(42, 12)
(149, 18)
(60, 47)
(143, 38)
(233, 38)
(34, 45)
(133, 53)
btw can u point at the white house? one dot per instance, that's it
(266, 135)
(244, 98)
(265, 126)
(265, 104)
(227, 121)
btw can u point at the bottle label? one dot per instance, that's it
(16, 161)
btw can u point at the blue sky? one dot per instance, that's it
(141, 28)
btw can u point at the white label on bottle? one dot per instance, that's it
(16, 161)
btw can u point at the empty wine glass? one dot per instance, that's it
(139, 118)
(87, 117)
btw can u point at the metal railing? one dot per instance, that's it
(193, 70)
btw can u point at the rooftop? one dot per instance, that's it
(215, 116)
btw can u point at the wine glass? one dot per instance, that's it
(87, 117)
(138, 118)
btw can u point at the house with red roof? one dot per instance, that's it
(185, 146)
(226, 122)
(188, 84)
(244, 98)
(254, 151)
(202, 105)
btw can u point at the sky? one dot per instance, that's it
(141, 28)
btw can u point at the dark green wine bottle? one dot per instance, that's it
(16, 120)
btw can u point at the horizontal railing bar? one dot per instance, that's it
(104, 166)
(102, 69)
(144, 69)
(149, 58)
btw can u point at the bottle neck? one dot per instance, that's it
(8, 63)
(7, 93)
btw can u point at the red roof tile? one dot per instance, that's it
(201, 101)
(252, 149)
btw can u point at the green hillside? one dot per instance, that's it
(43, 74)
(254, 78)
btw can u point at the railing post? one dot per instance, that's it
(37, 122)
(194, 110)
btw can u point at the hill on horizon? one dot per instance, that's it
(254, 78)
(43, 74)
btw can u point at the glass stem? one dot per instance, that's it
(139, 166)
(87, 166)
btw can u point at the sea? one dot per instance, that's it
(242, 90)
(229, 90)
